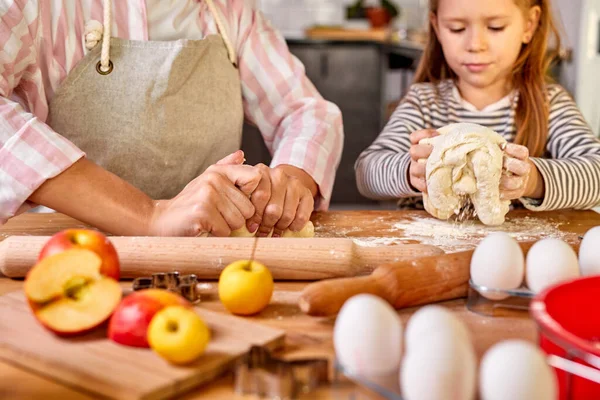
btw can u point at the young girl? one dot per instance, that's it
(486, 63)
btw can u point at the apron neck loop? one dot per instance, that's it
(105, 65)
(222, 31)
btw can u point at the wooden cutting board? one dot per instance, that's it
(95, 364)
(286, 258)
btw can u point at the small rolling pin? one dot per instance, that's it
(403, 284)
(286, 258)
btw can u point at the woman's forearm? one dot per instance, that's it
(97, 197)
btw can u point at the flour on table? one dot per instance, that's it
(378, 241)
(455, 236)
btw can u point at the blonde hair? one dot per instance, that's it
(529, 75)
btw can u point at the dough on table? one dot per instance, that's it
(307, 232)
(466, 162)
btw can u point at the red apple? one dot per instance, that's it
(129, 323)
(85, 239)
(68, 294)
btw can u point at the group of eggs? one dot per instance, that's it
(498, 263)
(434, 358)
(439, 360)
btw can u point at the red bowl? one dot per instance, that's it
(568, 318)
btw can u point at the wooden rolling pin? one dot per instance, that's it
(287, 258)
(403, 284)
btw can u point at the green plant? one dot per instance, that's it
(391, 8)
(356, 10)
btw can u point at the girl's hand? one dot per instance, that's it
(281, 202)
(418, 158)
(216, 202)
(517, 168)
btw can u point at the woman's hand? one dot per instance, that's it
(520, 177)
(419, 152)
(216, 202)
(281, 201)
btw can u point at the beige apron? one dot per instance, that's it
(163, 113)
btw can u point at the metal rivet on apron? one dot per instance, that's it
(108, 71)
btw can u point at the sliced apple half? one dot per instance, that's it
(67, 293)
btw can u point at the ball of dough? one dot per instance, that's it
(242, 232)
(466, 163)
(307, 232)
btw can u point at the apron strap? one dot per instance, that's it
(105, 63)
(105, 66)
(230, 50)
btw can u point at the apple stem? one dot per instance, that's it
(172, 326)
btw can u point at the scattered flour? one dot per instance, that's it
(378, 241)
(453, 236)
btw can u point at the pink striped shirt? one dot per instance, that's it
(42, 40)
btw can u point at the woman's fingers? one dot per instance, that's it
(274, 209)
(290, 206)
(305, 208)
(235, 158)
(260, 198)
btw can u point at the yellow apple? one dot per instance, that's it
(178, 334)
(245, 287)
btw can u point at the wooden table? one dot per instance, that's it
(313, 336)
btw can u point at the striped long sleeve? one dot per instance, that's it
(42, 41)
(30, 151)
(572, 173)
(382, 169)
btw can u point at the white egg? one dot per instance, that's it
(589, 253)
(444, 369)
(498, 263)
(550, 261)
(516, 370)
(367, 336)
(432, 321)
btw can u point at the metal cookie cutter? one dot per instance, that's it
(185, 285)
(259, 373)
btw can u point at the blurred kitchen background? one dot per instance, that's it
(361, 55)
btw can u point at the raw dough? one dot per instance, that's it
(466, 162)
(307, 232)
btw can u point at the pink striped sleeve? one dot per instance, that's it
(30, 151)
(299, 127)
